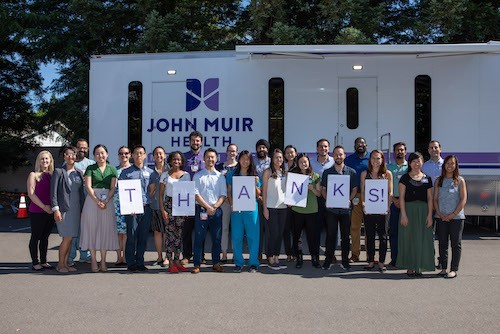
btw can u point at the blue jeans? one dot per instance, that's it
(84, 254)
(393, 232)
(200, 231)
(245, 222)
(137, 236)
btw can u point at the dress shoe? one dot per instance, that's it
(315, 261)
(300, 261)
(173, 269)
(132, 268)
(142, 268)
(218, 268)
(196, 270)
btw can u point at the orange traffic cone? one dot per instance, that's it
(23, 211)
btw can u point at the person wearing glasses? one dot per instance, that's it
(66, 200)
(121, 225)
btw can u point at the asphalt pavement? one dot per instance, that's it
(291, 300)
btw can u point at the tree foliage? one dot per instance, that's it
(70, 32)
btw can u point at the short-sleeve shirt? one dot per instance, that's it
(319, 167)
(210, 185)
(101, 180)
(416, 190)
(345, 171)
(194, 162)
(433, 168)
(169, 181)
(358, 164)
(229, 178)
(262, 165)
(132, 173)
(397, 172)
(312, 201)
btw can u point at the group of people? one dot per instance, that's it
(82, 198)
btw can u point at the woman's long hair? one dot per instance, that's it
(383, 169)
(456, 172)
(297, 168)
(414, 156)
(274, 172)
(251, 169)
(38, 169)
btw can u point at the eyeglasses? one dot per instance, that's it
(70, 154)
(123, 153)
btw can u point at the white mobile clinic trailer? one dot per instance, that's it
(297, 94)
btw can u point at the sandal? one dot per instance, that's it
(381, 267)
(62, 270)
(47, 266)
(370, 266)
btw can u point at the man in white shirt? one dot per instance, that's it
(210, 193)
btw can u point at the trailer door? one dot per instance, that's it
(357, 112)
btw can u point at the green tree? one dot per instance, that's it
(20, 83)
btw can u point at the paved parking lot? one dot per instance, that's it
(288, 301)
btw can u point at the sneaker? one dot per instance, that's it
(345, 267)
(237, 269)
(253, 269)
(274, 266)
(327, 265)
(282, 265)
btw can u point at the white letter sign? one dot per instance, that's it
(376, 197)
(338, 191)
(243, 189)
(296, 189)
(130, 195)
(183, 202)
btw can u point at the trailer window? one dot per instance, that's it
(276, 113)
(134, 114)
(352, 103)
(422, 114)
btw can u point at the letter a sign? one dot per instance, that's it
(243, 193)
(183, 198)
(338, 191)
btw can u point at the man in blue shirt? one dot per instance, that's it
(81, 164)
(138, 224)
(210, 193)
(359, 162)
(194, 163)
(432, 167)
(397, 168)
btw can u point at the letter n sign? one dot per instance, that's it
(296, 189)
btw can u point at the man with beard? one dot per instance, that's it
(397, 168)
(359, 162)
(432, 167)
(336, 217)
(322, 162)
(194, 163)
(81, 164)
(261, 164)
